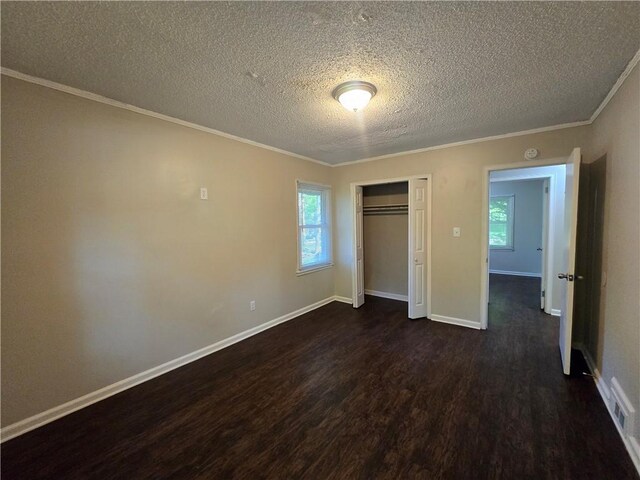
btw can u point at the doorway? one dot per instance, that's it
(398, 203)
(591, 215)
(523, 221)
(561, 236)
(526, 235)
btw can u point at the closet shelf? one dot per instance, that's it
(391, 209)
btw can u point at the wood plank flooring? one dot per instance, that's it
(342, 393)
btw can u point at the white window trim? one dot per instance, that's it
(327, 198)
(511, 226)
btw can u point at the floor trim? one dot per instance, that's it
(40, 419)
(390, 296)
(556, 312)
(338, 298)
(597, 378)
(517, 274)
(630, 442)
(456, 321)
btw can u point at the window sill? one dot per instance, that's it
(314, 269)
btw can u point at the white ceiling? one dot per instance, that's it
(445, 71)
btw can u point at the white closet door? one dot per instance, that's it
(417, 248)
(358, 288)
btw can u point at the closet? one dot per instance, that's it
(385, 239)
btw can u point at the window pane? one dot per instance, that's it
(498, 235)
(501, 222)
(499, 209)
(314, 230)
(310, 208)
(311, 246)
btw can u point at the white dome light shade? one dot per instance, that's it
(354, 95)
(355, 99)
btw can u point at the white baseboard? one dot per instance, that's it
(40, 419)
(391, 296)
(338, 298)
(517, 274)
(555, 312)
(630, 442)
(634, 451)
(597, 378)
(455, 321)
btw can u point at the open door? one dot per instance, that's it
(417, 248)
(569, 258)
(358, 298)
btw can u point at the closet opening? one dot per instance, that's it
(391, 242)
(385, 237)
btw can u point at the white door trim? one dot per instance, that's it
(484, 243)
(381, 181)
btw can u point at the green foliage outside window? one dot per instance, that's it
(501, 222)
(314, 230)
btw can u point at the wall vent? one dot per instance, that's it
(620, 416)
(623, 411)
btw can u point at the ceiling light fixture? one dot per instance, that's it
(354, 95)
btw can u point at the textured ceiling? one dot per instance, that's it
(445, 72)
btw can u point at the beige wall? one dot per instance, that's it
(111, 263)
(457, 202)
(616, 134)
(386, 241)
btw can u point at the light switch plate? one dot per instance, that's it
(204, 194)
(456, 231)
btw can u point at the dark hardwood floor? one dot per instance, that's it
(343, 393)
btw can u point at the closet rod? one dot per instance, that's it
(403, 212)
(389, 205)
(394, 209)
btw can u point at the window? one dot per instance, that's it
(501, 222)
(314, 227)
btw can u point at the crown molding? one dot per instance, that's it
(99, 98)
(623, 76)
(616, 86)
(115, 103)
(468, 142)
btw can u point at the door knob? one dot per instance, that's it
(562, 276)
(539, 249)
(566, 276)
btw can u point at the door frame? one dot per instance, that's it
(484, 243)
(382, 181)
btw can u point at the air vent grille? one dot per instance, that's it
(620, 416)
(623, 411)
